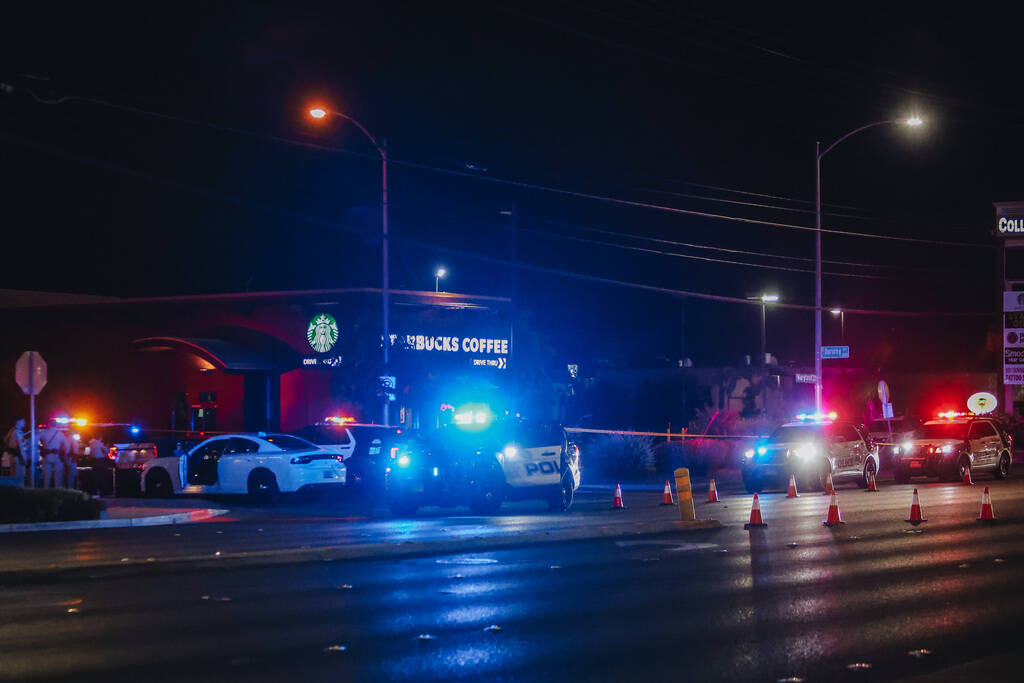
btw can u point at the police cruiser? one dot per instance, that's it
(482, 462)
(260, 465)
(952, 445)
(812, 447)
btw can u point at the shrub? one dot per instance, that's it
(20, 505)
(619, 456)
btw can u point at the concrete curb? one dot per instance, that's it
(151, 520)
(374, 551)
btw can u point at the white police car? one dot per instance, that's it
(484, 464)
(261, 465)
(812, 447)
(952, 445)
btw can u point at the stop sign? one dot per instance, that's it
(30, 372)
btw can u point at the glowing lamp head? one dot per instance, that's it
(318, 113)
(769, 298)
(915, 121)
(836, 311)
(441, 272)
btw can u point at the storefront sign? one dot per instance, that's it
(1013, 338)
(322, 332)
(420, 342)
(478, 352)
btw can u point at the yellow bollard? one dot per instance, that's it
(684, 495)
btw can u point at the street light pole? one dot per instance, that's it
(382, 149)
(913, 121)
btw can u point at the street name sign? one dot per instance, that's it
(835, 351)
(804, 378)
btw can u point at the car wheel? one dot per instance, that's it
(902, 477)
(487, 492)
(263, 487)
(561, 500)
(962, 467)
(1003, 467)
(158, 484)
(869, 466)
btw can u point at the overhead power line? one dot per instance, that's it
(320, 223)
(508, 182)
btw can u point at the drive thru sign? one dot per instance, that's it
(30, 374)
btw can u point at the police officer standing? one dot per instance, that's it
(55, 444)
(103, 467)
(14, 450)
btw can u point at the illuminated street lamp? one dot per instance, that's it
(913, 122)
(440, 272)
(842, 322)
(320, 114)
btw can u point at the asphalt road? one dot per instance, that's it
(793, 599)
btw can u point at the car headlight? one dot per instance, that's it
(749, 453)
(404, 460)
(907, 447)
(805, 450)
(947, 449)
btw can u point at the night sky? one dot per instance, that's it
(700, 107)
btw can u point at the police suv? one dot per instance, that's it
(812, 447)
(261, 465)
(952, 445)
(484, 464)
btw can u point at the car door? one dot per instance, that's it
(979, 444)
(993, 443)
(534, 456)
(202, 463)
(237, 460)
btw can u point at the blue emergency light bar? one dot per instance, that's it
(817, 417)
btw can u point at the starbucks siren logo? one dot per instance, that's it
(322, 332)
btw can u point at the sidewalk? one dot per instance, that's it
(123, 516)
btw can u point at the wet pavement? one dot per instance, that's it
(875, 599)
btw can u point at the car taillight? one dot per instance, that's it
(154, 452)
(112, 453)
(394, 452)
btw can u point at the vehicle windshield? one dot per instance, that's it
(290, 443)
(791, 433)
(944, 430)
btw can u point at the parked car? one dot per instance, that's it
(952, 445)
(366, 449)
(260, 465)
(130, 448)
(903, 428)
(508, 460)
(811, 448)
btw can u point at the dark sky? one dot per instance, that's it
(677, 105)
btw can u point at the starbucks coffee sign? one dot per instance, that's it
(322, 332)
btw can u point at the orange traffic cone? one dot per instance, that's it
(916, 516)
(872, 488)
(829, 488)
(755, 515)
(712, 492)
(967, 477)
(617, 503)
(666, 497)
(986, 514)
(834, 518)
(791, 493)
